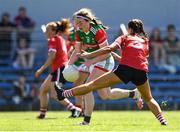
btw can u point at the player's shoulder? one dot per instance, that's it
(52, 39)
(55, 39)
(96, 27)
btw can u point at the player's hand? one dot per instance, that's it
(85, 55)
(78, 55)
(116, 56)
(87, 63)
(38, 73)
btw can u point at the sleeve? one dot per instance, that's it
(147, 48)
(71, 39)
(52, 45)
(101, 36)
(119, 41)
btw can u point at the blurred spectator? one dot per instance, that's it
(22, 90)
(172, 46)
(25, 55)
(157, 45)
(24, 24)
(6, 29)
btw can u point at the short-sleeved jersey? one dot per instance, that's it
(93, 38)
(90, 40)
(72, 37)
(135, 51)
(58, 45)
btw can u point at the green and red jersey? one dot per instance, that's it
(71, 39)
(91, 40)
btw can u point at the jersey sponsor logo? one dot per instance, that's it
(87, 39)
(136, 45)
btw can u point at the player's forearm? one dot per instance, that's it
(101, 51)
(99, 58)
(72, 58)
(116, 56)
(47, 63)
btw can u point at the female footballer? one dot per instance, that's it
(58, 58)
(133, 67)
(91, 36)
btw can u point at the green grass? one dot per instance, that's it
(139, 121)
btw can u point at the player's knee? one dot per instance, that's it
(53, 97)
(105, 96)
(43, 89)
(147, 99)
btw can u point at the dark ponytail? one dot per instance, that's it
(137, 27)
(62, 25)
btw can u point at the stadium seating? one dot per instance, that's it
(165, 84)
(165, 87)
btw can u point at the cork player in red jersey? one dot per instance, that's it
(57, 58)
(133, 67)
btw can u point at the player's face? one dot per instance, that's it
(82, 24)
(49, 31)
(67, 32)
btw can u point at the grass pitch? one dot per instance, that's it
(136, 121)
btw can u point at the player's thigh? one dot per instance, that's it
(45, 86)
(82, 78)
(95, 73)
(105, 92)
(145, 91)
(104, 80)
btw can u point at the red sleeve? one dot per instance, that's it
(120, 41)
(101, 36)
(52, 45)
(147, 48)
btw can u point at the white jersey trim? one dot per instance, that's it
(51, 49)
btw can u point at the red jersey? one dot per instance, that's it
(58, 45)
(135, 51)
